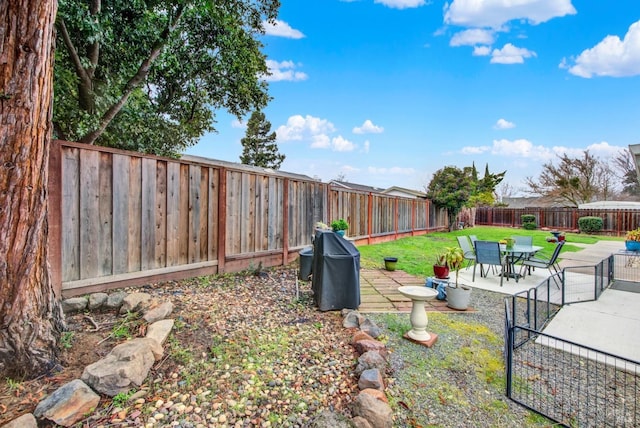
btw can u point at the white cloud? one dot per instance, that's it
(494, 13)
(611, 57)
(305, 128)
(281, 29)
(393, 170)
(605, 149)
(321, 141)
(510, 54)
(341, 144)
(521, 148)
(368, 128)
(283, 71)
(235, 123)
(481, 50)
(366, 147)
(401, 4)
(471, 37)
(504, 124)
(475, 150)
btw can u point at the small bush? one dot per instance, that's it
(527, 218)
(590, 224)
(528, 221)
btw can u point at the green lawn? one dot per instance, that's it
(416, 254)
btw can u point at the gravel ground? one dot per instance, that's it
(253, 350)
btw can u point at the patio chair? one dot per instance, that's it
(473, 239)
(488, 253)
(467, 250)
(523, 240)
(551, 263)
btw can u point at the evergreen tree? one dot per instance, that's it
(258, 146)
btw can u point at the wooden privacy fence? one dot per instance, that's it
(120, 218)
(615, 222)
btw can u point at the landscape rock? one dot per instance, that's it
(371, 378)
(371, 360)
(159, 330)
(371, 328)
(159, 312)
(360, 335)
(376, 412)
(327, 418)
(97, 300)
(363, 346)
(68, 404)
(376, 393)
(360, 422)
(25, 421)
(74, 304)
(114, 301)
(126, 366)
(135, 302)
(353, 320)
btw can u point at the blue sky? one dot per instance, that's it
(386, 92)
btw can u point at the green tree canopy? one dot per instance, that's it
(450, 188)
(148, 76)
(258, 146)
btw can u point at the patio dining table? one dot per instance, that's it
(515, 254)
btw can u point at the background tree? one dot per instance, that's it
(147, 76)
(574, 180)
(483, 191)
(450, 188)
(31, 318)
(258, 146)
(627, 173)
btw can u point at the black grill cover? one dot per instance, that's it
(336, 272)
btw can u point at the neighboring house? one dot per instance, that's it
(611, 205)
(407, 193)
(524, 202)
(354, 186)
(249, 168)
(635, 152)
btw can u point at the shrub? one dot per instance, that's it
(590, 224)
(528, 221)
(528, 218)
(340, 224)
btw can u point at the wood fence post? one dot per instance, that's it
(285, 222)
(222, 220)
(54, 216)
(369, 217)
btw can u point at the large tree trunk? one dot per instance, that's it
(31, 318)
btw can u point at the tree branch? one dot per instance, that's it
(85, 87)
(139, 77)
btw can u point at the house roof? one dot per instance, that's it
(354, 186)
(616, 205)
(240, 166)
(415, 193)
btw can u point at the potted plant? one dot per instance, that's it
(339, 226)
(632, 240)
(440, 267)
(458, 296)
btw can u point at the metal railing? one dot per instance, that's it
(570, 383)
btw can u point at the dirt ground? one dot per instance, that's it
(256, 338)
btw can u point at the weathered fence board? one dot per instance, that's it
(615, 222)
(70, 230)
(124, 217)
